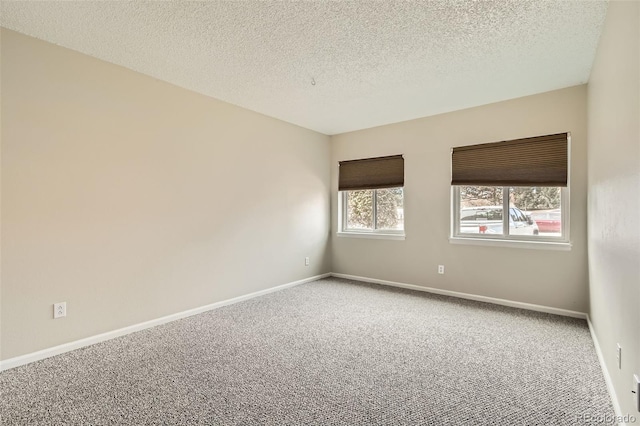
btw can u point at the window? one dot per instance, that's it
(373, 210)
(512, 191)
(372, 197)
(534, 212)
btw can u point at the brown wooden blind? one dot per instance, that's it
(371, 173)
(537, 161)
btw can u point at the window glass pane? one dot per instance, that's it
(389, 209)
(481, 210)
(359, 209)
(542, 205)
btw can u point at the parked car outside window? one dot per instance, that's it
(488, 220)
(549, 221)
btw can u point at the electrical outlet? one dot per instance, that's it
(59, 310)
(636, 390)
(441, 269)
(306, 261)
(619, 356)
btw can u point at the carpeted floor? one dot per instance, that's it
(326, 353)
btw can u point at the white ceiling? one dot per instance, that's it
(373, 62)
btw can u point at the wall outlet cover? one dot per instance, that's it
(59, 310)
(636, 390)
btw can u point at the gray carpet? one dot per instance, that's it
(327, 353)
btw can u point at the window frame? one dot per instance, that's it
(343, 231)
(534, 242)
(562, 242)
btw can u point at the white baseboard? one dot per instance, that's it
(496, 301)
(66, 347)
(605, 371)
(504, 302)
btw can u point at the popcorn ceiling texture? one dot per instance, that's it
(373, 62)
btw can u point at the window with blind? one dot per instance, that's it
(372, 197)
(516, 190)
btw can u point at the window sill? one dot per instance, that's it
(374, 235)
(526, 244)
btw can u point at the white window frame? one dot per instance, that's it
(343, 231)
(562, 242)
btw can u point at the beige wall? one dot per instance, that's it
(614, 196)
(131, 199)
(551, 278)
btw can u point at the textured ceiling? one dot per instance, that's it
(373, 62)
